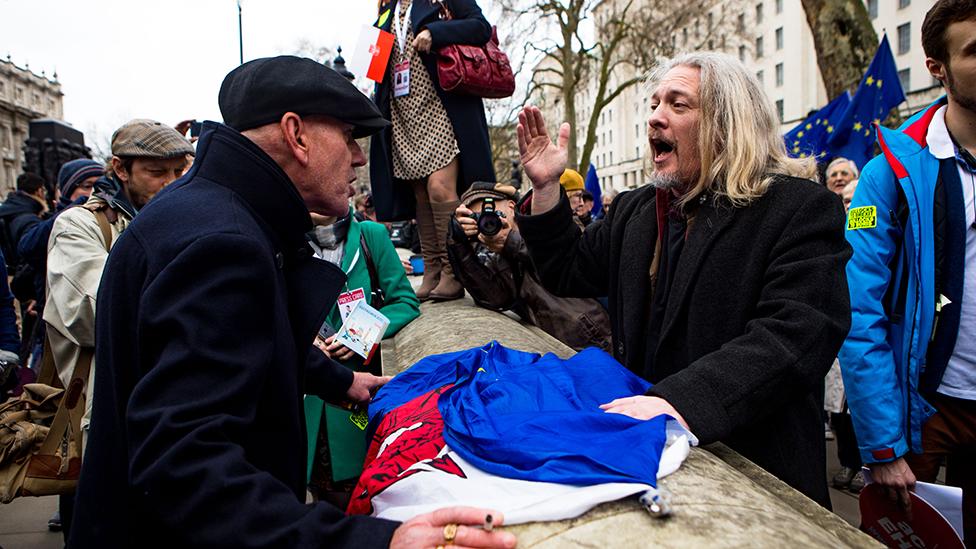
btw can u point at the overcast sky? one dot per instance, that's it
(123, 59)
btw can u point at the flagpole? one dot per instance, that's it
(240, 31)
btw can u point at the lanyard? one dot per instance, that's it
(401, 30)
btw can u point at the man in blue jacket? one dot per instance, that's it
(909, 363)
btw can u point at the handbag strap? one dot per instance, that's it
(446, 13)
(105, 227)
(71, 408)
(374, 279)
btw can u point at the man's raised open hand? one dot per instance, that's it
(542, 160)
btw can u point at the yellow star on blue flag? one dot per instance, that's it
(809, 137)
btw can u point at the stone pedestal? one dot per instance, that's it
(719, 498)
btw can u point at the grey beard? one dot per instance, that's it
(664, 181)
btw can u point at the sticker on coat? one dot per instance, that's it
(865, 217)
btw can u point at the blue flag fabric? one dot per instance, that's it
(879, 92)
(592, 184)
(809, 138)
(526, 416)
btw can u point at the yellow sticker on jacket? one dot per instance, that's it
(865, 217)
(360, 419)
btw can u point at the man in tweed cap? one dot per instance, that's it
(146, 156)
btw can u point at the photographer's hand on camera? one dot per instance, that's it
(465, 219)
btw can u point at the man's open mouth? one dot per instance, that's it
(662, 149)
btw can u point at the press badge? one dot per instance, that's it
(348, 301)
(401, 79)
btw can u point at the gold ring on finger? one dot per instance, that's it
(450, 532)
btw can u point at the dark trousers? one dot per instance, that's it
(66, 506)
(950, 436)
(847, 451)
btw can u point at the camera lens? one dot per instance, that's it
(489, 224)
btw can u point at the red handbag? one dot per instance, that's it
(483, 71)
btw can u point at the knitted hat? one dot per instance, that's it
(571, 181)
(74, 172)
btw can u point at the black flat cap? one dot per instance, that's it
(261, 91)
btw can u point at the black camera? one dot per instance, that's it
(489, 220)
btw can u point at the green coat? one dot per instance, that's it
(401, 306)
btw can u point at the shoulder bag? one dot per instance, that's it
(483, 71)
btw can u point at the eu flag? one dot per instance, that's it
(593, 185)
(809, 138)
(879, 92)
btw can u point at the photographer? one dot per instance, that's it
(492, 262)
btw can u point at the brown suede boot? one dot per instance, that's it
(428, 246)
(448, 287)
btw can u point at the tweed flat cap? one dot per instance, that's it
(149, 139)
(481, 190)
(261, 91)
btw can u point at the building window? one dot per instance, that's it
(873, 9)
(759, 47)
(710, 21)
(779, 7)
(3, 89)
(684, 36)
(759, 76)
(779, 110)
(711, 44)
(779, 74)
(779, 38)
(697, 30)
(740, 24)
(742, 54)
(636, 131)
(611, 137)
(611, 159)
(759, 13)
(636, 152)
(905, 78)
(902, 4)
(904, 38)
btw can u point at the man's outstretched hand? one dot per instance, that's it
(427, 531)
(542, 160)
(364, 386)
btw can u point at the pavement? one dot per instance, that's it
(23, 524)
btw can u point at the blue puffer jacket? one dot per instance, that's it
(883, 360)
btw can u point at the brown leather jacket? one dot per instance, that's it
(508, 281)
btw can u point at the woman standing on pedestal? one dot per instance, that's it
(438, 142)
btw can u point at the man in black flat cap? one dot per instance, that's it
(204, 337)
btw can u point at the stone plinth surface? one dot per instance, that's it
(719, 498)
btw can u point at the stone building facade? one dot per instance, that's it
(772, 38)
(24, 96)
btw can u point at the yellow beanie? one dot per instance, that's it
(571, 181)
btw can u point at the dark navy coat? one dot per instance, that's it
(393, 197)
(206, 312)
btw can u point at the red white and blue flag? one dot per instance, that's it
(501, 429)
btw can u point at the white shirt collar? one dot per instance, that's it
(940, 144)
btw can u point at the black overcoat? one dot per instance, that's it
(393, 197)
(206, 312)
(757, 312)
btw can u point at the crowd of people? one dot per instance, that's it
(733, 281)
